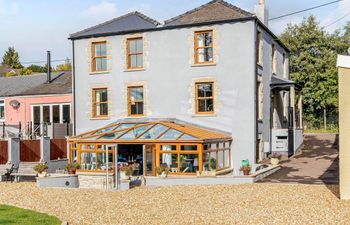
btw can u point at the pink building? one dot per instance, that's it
(28, 103)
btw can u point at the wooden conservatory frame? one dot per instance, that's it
(210, 149)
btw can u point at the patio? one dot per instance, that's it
(220, 204)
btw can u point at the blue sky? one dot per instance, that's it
(34, 26)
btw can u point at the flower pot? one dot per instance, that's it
(71, 171)
(42, 174)
(163, 175)
(123, 176)
(274, 161)
(246, 172)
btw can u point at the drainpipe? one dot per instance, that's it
(74, 97)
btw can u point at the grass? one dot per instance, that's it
(15, 216)
(321, 131)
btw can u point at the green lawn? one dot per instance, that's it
(15, 216)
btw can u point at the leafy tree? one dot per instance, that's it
(64, 67)
(25, 71)
(11, 58)
(37, 68)
(313, 65)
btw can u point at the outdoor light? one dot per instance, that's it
(15, 104)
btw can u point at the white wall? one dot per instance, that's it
(169, 77)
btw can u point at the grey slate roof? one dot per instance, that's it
(131, 21)
(26, 85)
(214, 11)
(281, 83)
(60, 84)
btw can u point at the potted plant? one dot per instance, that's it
(125, 172)
(72, 167)
(163, 171)
(41, 169)
(245, 169)
(275, 159)
(135, 168)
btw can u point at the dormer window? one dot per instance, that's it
(99, 56)
(203, 47)
(135, 53)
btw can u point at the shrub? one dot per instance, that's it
(73, 166)
(40, 168)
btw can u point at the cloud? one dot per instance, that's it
(9, 8)
(103, 10)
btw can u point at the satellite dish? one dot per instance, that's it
(14, 104)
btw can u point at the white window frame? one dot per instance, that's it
(51, 112)
(4, 105)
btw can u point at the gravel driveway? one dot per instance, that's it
(232, 204)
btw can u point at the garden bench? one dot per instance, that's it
(25, 170)
(6, 170)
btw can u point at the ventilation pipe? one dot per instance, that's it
(262, 13)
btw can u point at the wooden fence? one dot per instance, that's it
(58, 149)
(29, 150)
(3, 152)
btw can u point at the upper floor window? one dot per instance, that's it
(2, 109)
(99, 56)
(99, 102)
(273, 58)
(135, 101)
(259, 50)
(204, 97)
(260, 103)
(135, 53)
(203, 47)
(284, 64)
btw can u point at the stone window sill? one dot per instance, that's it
(99, 72)
(203, 64)
(135, 70)
(100, 118)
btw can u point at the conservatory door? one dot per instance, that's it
(149, 160)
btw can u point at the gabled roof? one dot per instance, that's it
(131, 21)
(217, 10)
(61, 84)
(25, 85)
(156, 131)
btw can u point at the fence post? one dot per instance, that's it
(13, 151)
(3, 130)
(45, 149)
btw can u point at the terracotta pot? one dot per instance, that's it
(274, 161)
(71, 171)
(246, 172)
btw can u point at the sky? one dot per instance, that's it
(35, 26)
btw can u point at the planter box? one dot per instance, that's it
(59, 181)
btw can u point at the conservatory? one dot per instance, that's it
(182, 148)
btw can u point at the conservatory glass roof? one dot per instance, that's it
(157, 131)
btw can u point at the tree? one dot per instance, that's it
(313, 65)
(25, 71)
(38, 69)
(11, 58)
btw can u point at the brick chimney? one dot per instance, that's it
(262, 13)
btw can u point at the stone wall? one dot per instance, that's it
(95, 181)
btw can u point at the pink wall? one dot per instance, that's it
(22, 113)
